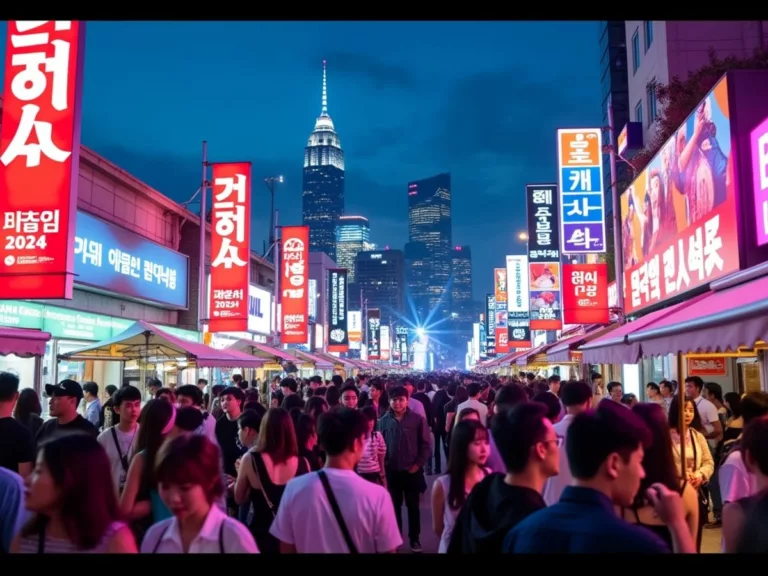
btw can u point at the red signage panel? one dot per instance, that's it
(39, 158)
(294, 280)
(230, 247)
(585, 294)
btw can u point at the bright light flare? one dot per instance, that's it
(420, 332)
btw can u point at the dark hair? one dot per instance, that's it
(350, 388)
(277, 436)
(189, 418)
(235, 391)
(126, 394)
(338, 429)
(398, 392)
(27, 404)
(596, 434)
(576, 393)
(320, 391)
(551, 402)
(370, 413)
(473, 389)
(612, 385)
(337, 380)
(451, 388)
(9, 385)
(464, 433)
(305, 428)
(754, 440)
(529, 391)
(517, 431)
(653, 386)
(554, 379)
(289, 383)
(628, 398)
(666, 384)
(696, 381)
(292, 401)
(154, 418)
(110, 389)
(77, 463)
(754, 405)
(509, 396)
(250, 419)
(216, 389)
(315, 406)
(733, 399)
(466, 412)
(674, 414)
(192, 392)
(154, 383)
(332, 395)
(191, 459)
(91, 387)
(166, 392)
(658, 460)
(715, 389)
(461, 395)
(540, 388)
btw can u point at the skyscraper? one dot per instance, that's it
(430, 247)
(353, 235)
(461, 288)
(381, 277)
(323, 182)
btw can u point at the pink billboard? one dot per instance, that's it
(759, 148)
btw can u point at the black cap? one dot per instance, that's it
(65, 388)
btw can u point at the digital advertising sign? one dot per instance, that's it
(338, 336)
(374, 334)
(585, 294)
(294, 285)
(518, 303)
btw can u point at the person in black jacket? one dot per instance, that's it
(439, 400)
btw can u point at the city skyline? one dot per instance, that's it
(457, 99)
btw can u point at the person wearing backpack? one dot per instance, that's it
(119, 440)
(335, 510)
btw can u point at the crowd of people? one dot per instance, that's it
(523, 464)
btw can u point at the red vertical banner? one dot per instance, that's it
(230, 248)
(585, 294)
(40, 157)
(294, 284)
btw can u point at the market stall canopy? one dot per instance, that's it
(614, 347)
(302, 356)
(525, 358)
(261, 350)
(336, 361)
(23, 343)
(145, 341)
(726, 320)
(510, 359)
(563, 350)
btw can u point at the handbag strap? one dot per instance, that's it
(337, 512)
(123, 458)
(262, 488)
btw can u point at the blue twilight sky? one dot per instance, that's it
(409, 100)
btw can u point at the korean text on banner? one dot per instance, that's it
(374, 334)
(585, 294)
(759, 140)
(230, 248)
(490, 315)
(500, 291)
(678, 217)
(518, 303)
(582, 202)
(40, 157)
(338, 336)
(294, 273)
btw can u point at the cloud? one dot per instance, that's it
(378, 73)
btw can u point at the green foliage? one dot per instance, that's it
(679, 98)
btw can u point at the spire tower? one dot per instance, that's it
(324, 108)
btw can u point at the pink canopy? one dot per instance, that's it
(23, 343)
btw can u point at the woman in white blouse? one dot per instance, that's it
(189, 481)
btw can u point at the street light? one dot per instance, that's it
(270, 182)
(522, 236)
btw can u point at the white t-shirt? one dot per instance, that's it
(735, 481)
(218, 531)
(127, 442)
(707, 413)
(481, 408)
(305, 517)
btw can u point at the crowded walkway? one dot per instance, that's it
(450, 463)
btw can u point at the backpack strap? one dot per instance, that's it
(337, 512)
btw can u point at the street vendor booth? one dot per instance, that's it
(21, 351)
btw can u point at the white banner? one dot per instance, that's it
(518, 299)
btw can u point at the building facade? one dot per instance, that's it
(319, 264)
(380, 276)
(353, 235)
(323, 181)
(430, 248)
(461, 285)
(660, 50)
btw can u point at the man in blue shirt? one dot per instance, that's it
(605, 455)
(12, 512)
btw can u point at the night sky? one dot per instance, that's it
(409, 100)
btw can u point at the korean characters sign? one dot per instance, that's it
(490, 315)
(402, 344)
(585, 294)
(678, 217)
(759, 140)
(374, 334)
(230, 247)
(500, 292)
(354, 329)
(338, 339)
(518, 305)
(582, 202)
(545, 296)
(40, 157)
(708, 366)
(294, 273)
(543, 223)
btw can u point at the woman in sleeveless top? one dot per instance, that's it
(75, 509)
(265, 471)
(140, 501)
(659, 466)
(466, 467)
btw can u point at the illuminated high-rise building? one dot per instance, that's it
(461, 287)
(323, 182)
(430, 247)
(381, 278)
(353, 235)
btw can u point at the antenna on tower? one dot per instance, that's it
(324, 109)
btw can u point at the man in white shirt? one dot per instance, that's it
(577, 398)
(306, 522)
(413, 404)
(713, 428)
(473, 391)
(119, 441)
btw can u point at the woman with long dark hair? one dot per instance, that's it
(28, 409)
(140, 500)
(468, 453)
(659, 466)
(75, 509)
